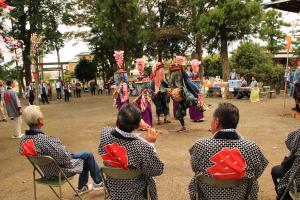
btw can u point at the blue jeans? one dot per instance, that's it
(89, 165)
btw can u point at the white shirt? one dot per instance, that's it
(58, 84)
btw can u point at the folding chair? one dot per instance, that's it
(41, 161)
(294, 194)
(119, 174)
(220, 183)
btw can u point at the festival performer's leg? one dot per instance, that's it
(165, 107)
(175, 106)
(180, 114)
(158, 107)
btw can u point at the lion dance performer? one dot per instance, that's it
(159, 92)
(143, 101)
(121, 92)
(195, 114)
(183, 91)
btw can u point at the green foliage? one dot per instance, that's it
(85, 70)
(271, 31)
(224, 21)
(249, 55)
(213, 66)
(69, 75)
(251, 59)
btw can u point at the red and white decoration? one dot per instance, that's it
(116, 156)
(229, 164)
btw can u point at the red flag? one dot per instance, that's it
(288, 42)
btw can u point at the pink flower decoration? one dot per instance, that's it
(140, 65)
(5, 6)
(180, 60)
(195, 65)
(119, 57)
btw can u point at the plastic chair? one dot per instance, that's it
(119, 174)
(294, 194)
(41, 161)
(220, 183)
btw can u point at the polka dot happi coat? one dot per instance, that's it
(141, 156)
(201, 160)
(52, 146)
(293, 145)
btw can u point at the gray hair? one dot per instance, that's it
(31, 114)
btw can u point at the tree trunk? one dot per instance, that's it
(224, 56)
(199, 51)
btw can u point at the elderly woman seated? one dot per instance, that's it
(37, 143)
(132, 153)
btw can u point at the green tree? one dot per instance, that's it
(34, 17)
(85, 70)
(225, 21)
(271, 30)
(212, 65)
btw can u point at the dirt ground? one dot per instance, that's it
(78, 124)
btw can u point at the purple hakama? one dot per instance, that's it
(147, 115)
(120, 105)
(195, 114)
(175, 107)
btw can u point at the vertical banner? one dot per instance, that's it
(288, 42)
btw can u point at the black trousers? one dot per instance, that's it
(277, 173)
(78, 93)
(67, 95)
(44, 98)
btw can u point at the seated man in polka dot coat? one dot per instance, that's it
(37, 143)
(120, 147)
(227, 155)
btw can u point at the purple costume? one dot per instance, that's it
(175, 107)
(195, 115)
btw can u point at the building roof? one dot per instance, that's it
(83, 54)
(285, 5)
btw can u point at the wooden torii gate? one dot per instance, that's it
(41, 66)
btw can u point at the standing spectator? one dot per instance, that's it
(44, 92)
(78, 89)
(296, 82)
(66, 91)
(233, 75)
(58, 86)
(93, 87)
(227, 155)
(13, 108)
(30, 93)
(49, 91)
(101, 87)
(2, 103)
(73, 85)
(106, 88)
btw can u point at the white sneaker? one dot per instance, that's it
(84, 189)
(99, 186)
(17, 137)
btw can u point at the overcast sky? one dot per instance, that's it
(72, 48)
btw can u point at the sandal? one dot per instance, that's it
(166, 121)
(159, 122)
(183, 129)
